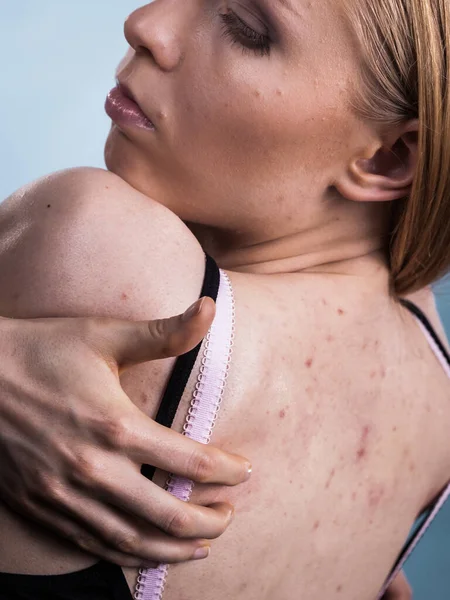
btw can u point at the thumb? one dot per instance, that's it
(129, 343)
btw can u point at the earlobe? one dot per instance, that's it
(386, 173)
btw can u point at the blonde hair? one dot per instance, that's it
(406, 75)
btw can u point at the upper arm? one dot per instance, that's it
(84, 243)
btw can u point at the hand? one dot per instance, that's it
(72, 443)
(399, 589)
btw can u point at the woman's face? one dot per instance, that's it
(250, 100)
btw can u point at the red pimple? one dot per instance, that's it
(341, 312)
(375, 496)
(124, 296)
(282, 414)
(309, 363)
(361, 453)
(316, 525)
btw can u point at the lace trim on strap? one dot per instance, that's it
(202, 415)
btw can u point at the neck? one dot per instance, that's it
(352, 244)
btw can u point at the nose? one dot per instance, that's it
(160, 29)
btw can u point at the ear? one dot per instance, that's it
(386, 171)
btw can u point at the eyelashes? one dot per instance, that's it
(237, 30)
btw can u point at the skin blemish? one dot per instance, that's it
(257, 93)
(341, 312)
(124, 296)
(279, 92)
(330, 478)
(316, 525)
(339, 589)
(324, 302)
(375, 495)
(49, 205)
(282, 414)
(330, 338)
(309, 363)
(412, 467)
(361, 454)
(362, 450)
(354, 496)
(394, 429)
(373, 375)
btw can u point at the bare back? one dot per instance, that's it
(333, 393)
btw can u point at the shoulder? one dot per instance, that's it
(86, 242)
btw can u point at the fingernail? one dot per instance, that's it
(202, 552)
(193, 310)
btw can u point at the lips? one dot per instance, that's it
(123, 109)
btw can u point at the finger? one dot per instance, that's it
(143, 499)
(147, 442)
(102, 531)
(83, 538)
(130, 343)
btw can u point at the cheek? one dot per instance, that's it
(248, 121)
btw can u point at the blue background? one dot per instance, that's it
(57, 65)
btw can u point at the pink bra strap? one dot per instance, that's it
(201, 417)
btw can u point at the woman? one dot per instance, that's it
(269, 129)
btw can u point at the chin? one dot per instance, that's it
(124, 159)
